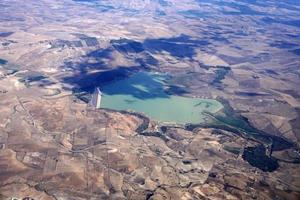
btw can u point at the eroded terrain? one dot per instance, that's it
(245, 54)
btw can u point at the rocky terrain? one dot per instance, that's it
(53, 145)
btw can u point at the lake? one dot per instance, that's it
(145, 93)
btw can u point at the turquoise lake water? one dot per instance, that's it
(144, 93)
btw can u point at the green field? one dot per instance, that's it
(144, 93)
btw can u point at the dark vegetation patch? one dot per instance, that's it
(251, 94)
(65, 43)
(256, 156)
(187, 162)
(270, 72)
(2, 61)
(221, 73)
(8, 42)
(32, 77)
(205, 66)
(155, 134)
(8, 72)
(45, 82)
(5, 34)
(234, 150)
(90, 41)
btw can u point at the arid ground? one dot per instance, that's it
(244, 54)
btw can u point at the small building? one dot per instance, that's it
(96, 98)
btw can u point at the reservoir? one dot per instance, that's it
(145, 93)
